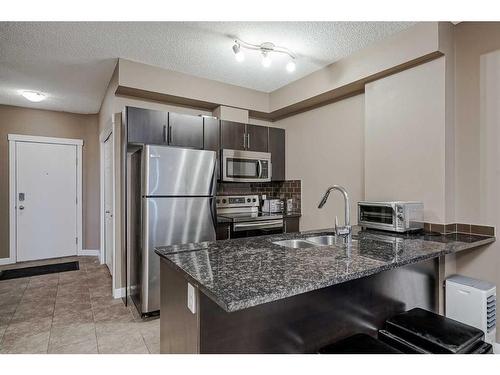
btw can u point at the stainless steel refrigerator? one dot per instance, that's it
(177, 202)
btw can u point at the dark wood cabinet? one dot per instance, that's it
(211, 134)
(257, 138)
(277, 150)
(146, 126)
(211, 138)
(185, 130)
(163, 128)
(223, 231)
(233, 135)
(292, 224)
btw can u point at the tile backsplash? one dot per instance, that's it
(274, 189)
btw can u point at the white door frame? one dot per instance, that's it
(13, 139)
(105, 134)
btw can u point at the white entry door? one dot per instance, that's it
(108, 202)
(46, 200)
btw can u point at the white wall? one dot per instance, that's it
(325, 147)
(405, 138)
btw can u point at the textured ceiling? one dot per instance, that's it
(73, 61)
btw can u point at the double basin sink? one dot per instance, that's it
(305, 243)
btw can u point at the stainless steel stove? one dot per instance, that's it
(245, 216)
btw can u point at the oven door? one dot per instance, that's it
(256, 228)
(377, 215)
(245, 166)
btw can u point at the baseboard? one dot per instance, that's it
(5, 261)
(90, 253)
(496, 348)
(119, 292)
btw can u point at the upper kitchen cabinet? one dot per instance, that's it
(146, 126)
(185, 130)
(233, 135)
(277, 150)
(211, 134)
(257, 138)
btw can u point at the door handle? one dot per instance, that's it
(21, 207)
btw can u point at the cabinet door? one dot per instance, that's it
(277, 150)
(257, 138)
(291, 224)
(211, 138)
(185, 130)
(232, 135)
(146, 126)
(223, 231)
(211, 134)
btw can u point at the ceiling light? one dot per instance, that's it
(266, 49)
(266, 60)
(290, 67)
(34, 96)
(238, 53)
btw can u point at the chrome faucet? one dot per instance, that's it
(345, 231)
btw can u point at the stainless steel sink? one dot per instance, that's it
(322, 240)
(295, 244)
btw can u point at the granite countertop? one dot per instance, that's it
(246, 272)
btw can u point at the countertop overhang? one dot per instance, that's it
(242, 273)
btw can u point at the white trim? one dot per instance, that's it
(37, 139)
(90, 253)
(105, 134)
(12, 205)
(118, 292)
(4, 261)
(13, 139)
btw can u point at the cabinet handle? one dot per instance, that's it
(165, 136)
(248, 141)
(244, 141)
(169, 134)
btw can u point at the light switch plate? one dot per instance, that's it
(191, 303)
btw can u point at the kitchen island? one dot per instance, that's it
(252, 295)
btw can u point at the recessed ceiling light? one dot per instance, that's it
(34, 96)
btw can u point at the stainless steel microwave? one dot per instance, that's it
(391, 216)
(245, 166)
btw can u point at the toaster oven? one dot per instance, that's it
(391, 216)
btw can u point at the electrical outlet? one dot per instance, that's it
(191, 303)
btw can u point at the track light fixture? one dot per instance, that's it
(266, 49)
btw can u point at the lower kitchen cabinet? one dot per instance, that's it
(223, 231)
(291, 224)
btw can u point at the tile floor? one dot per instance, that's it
(71, 312)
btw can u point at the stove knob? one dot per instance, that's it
(224, 201)
(248, 200)
(254, 200)
(218, 201)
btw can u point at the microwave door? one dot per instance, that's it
(239, 169)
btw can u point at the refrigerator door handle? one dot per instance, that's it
(213, 212)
